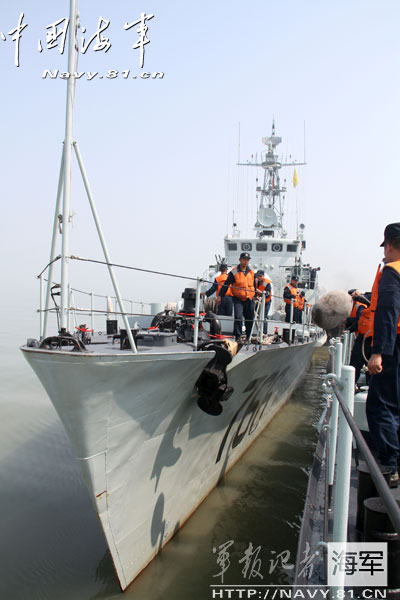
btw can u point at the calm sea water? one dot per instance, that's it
(51, 543)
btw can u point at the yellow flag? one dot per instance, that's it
(295, 178)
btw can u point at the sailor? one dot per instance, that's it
(300, 306)
(313, 277)
(225, 307)
(364, 335)
(242, 282)
(383, 401)
(290, 293)
(360, 303)
(263, 283)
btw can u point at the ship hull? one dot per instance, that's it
(148, 454)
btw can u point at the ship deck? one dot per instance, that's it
(102, 345)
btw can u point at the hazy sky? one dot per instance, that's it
(161, 154)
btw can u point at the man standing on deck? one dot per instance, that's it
(290, 293)
(243, 287)
(383, 401)
(301, 300)
(360, 303)
(225, 305)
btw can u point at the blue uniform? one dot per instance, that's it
(383, 402)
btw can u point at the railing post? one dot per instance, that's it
(349, 347)
(72, 308)
(196, 313)
(68, 304)
(345, 345)
(262, 317)
(343, 469)
(41, 307)
(334, 416)
(305, 317)
(291, 319)
(92, 312)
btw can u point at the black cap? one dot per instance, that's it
(392, 231)
(223, 267)
(294, 278)
(245, 255)
(260, 272)
(302, 294)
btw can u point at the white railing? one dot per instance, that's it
(140, 308)
(340, 386)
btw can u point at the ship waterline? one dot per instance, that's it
(148, 454)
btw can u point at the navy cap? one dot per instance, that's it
(260, 272)
(294, 278)
(392, 231)
(350, 292)
(245, 255)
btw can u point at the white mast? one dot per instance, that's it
(270, 211)
(66, 180)
(67, 168)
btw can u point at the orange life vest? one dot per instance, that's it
(294, 291)
(261, 285)
(364, 323)
(243, 288)
(374, 297)
(300, 302)
(221, 280)
(356, 305)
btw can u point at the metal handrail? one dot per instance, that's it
(123, 313)
(378, 479)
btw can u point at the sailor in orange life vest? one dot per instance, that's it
(263, 283)
(301, 299)
(225, 307)
(242, 282)
(383, 401)
(360, 303)
(291, 292)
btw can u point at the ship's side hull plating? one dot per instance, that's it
(149, 455)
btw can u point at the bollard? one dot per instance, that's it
(366, 489)
(379, 528)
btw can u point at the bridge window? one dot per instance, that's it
(232, 247)
(292, 247)
(261, 247)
